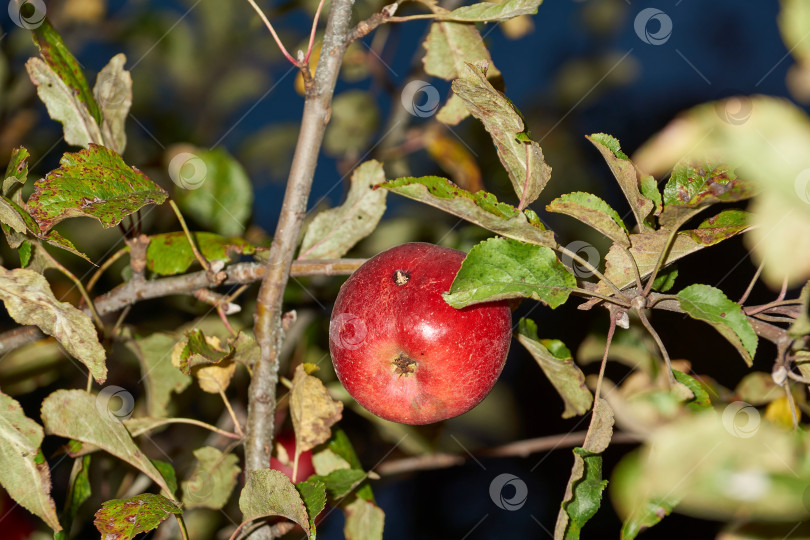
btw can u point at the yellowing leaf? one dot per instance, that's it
(778, 412)
(26, 476)
(313, 411)
(29, 300)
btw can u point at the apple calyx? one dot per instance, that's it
(401, 277)
(404, 364)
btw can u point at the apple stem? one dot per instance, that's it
(611, 330)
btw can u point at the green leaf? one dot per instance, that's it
(313, 493)
(79, 491)
(481, 208)
(708, 304)
(170, 253)
(16, 239)
(701, 398)
(26, 476)
(334, 232)
(353, 123)
(268, 492)
(16, 171)
(649, 188)
(692, 187)
(342, 451)
(216, 192)
(56, 54)
(489, 12)
(29, 300)
(159, 375)
(665, 280)
(519, 155)
(592, 211)
(724, 225)
(499, 268)
(168, 473)
(211, 483)
(198, 351)
(124, 519)
(364, 520)
(341, 482)
(94, 182)
(626, 175)
(113, 93)
(583, 495)
(558, 366)
(79, 415)
(24, 251)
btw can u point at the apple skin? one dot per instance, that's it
(401, 351)
(305, 467)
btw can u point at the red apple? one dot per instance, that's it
(305, 467)
(405, 354)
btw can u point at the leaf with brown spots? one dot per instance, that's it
(96, 183)
(313, 411)
(123, 519)
(26, 476)
(29, 300)
(694, 186)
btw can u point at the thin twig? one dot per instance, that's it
(588, 266)
(523, 449)
(191, 240)
(182, 525)
(658, 342)
(753, 282)
(105, 266)
(611, 330)
(312, 32)
(230, 412)
(134, 291)
(269, 26)
(87, 300)
(661, 259)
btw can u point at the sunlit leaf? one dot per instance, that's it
(124, 519)
(583, 495)
(560, 369)
(170, 253)
(692, 187)
(94, 182)
(499, 268)
(626, 175)
(481, 208)
(593, 211)
(29, 300)
(334, 232)
(487, 11)
(709, 304)
(26, 476)
(521, 157)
